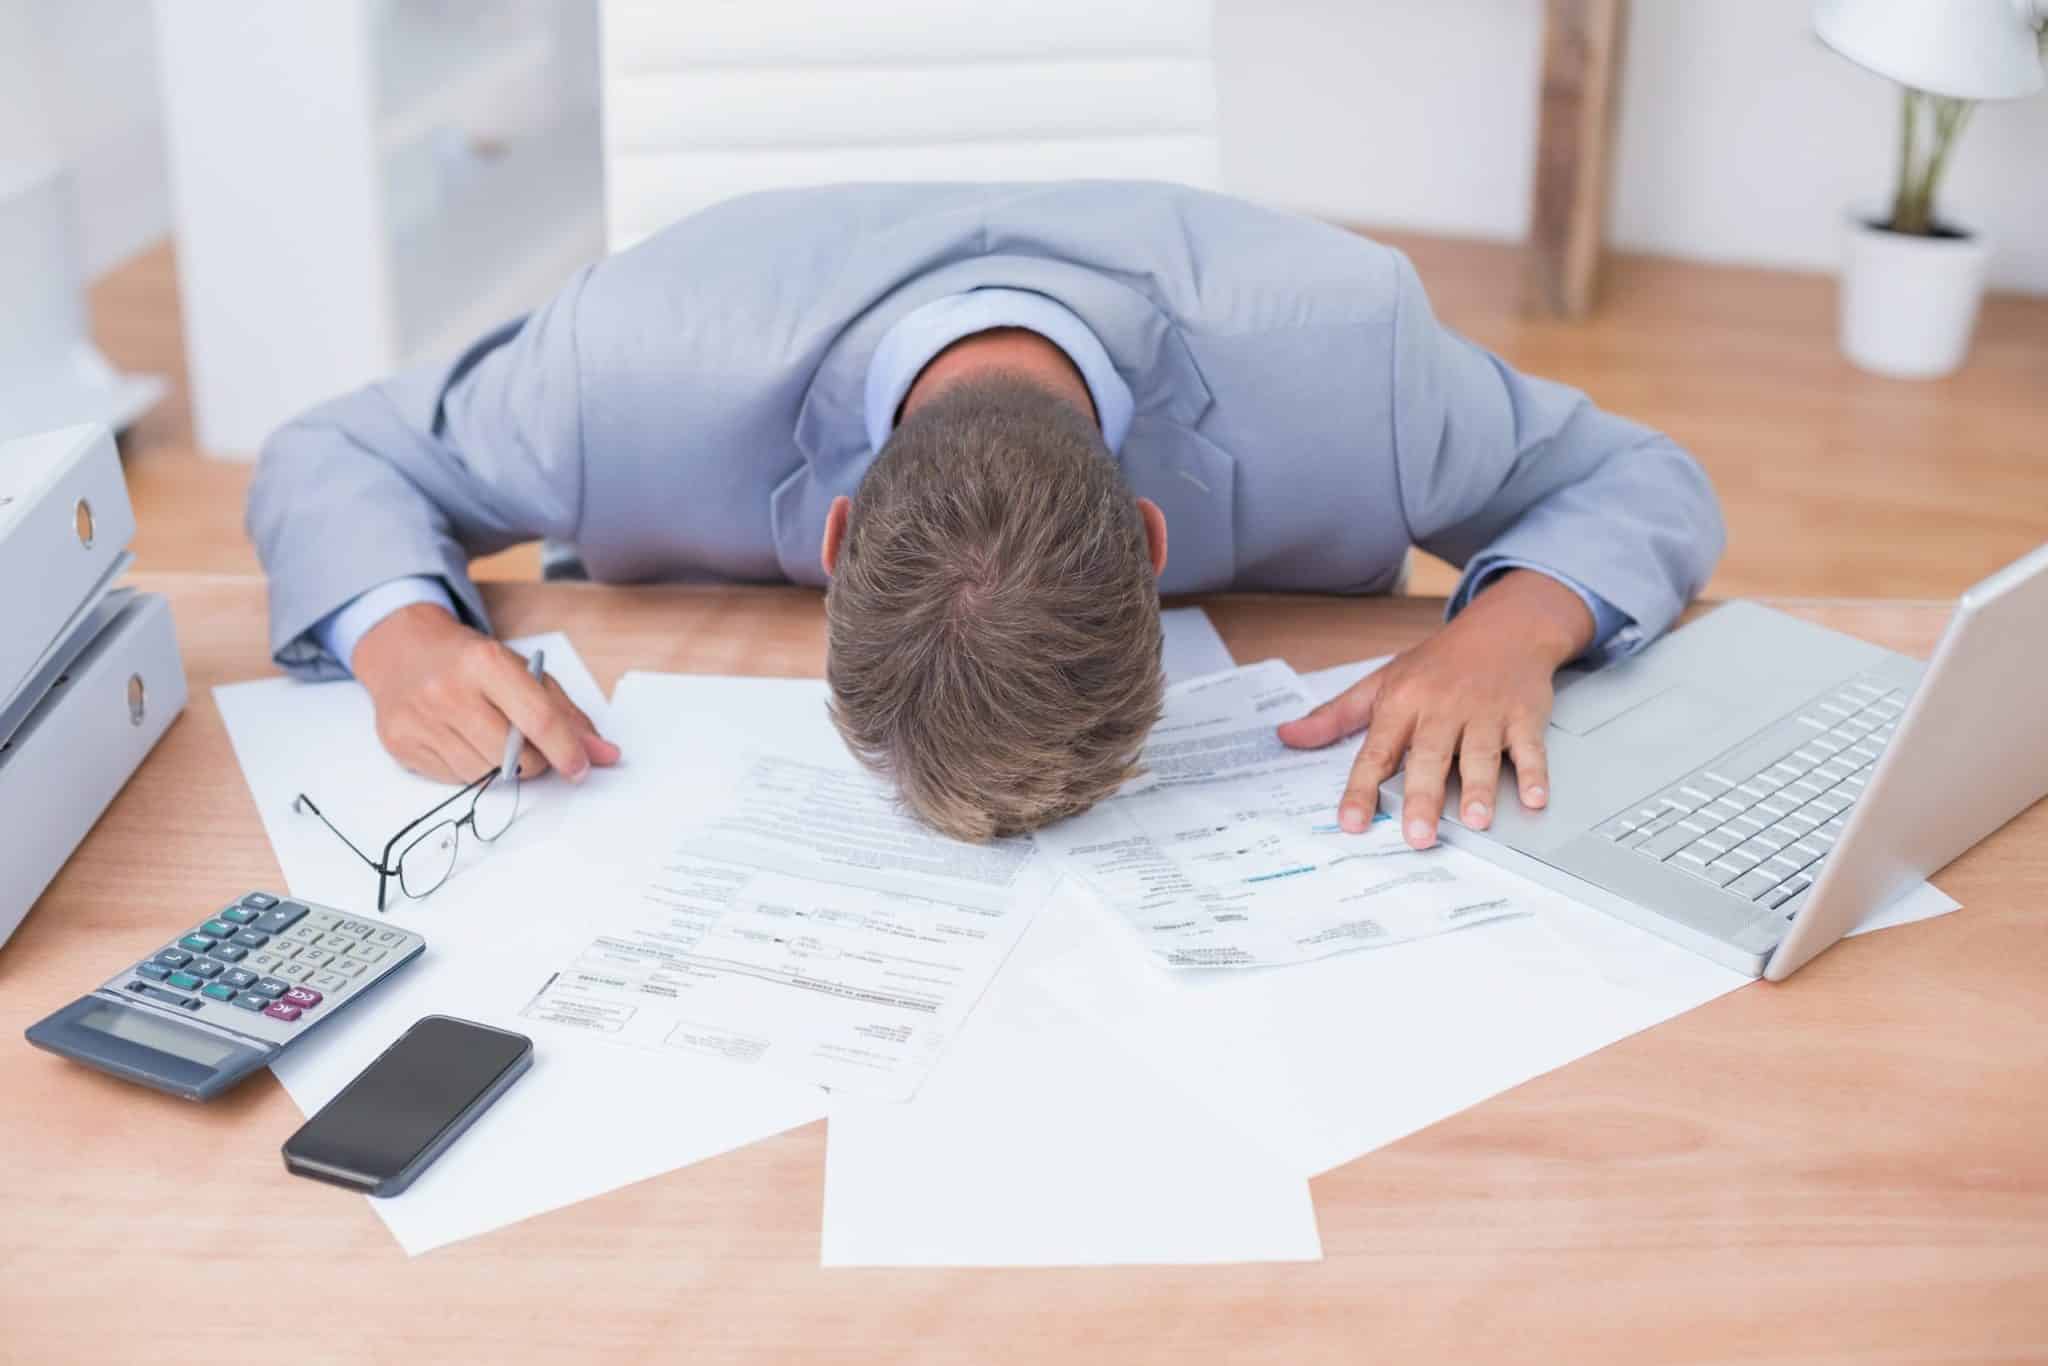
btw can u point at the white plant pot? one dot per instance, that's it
(1909, 303)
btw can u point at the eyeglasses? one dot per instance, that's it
(426, 847)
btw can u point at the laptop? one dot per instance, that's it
(1752, 786)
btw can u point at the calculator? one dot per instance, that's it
(200, 1014)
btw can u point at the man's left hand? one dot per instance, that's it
(1477, 689)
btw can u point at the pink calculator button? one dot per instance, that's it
(278, 1010)
(305, 998)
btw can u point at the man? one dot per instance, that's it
(978, 413)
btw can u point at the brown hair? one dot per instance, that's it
(993, 618)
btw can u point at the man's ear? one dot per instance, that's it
(1155, 533)
(835, 533)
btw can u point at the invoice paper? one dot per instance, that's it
(796, 920)
(1226, 852)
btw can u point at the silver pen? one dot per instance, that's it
(513, 739)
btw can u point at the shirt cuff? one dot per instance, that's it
(340, 631)
(1615, 633)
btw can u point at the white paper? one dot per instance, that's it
(1230, 856)
(1323, 1061)
(1192, 647)
(1038, 1142)
(587, 1118)
(802, 923)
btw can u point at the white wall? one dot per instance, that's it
(1742, 139)
(82, 85)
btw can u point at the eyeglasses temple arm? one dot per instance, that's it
(304, 803)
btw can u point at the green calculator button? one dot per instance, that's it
(185, 981)
(237, 915)
(219, 929)
(198, 943)
(219, 991)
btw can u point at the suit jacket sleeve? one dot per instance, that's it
(415, 475)
(1494, 464)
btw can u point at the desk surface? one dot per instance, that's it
(1854, 1164)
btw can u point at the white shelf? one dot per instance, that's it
(460, 272)
(363, 117)
(421, 93)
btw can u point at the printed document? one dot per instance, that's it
(803, 923)
(1226, 852)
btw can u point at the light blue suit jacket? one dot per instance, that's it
(688, 409)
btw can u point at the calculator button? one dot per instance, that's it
(198, 943)
(239, 978)
(294, 972)
(219, 991)
(387, 938)
(305, 998)
(271, 986)
(337, 941)
(278, 1010)
(249, 1000)
(219, 929)
(285, 948)
(316, 958)
(259, 901)
(230, 953)
(327, 981)
(169, 998)
(323, 920)
(205, 967)
(250, 939)
(282, 916)
(174, 958)
(154, 971)
(183, 980)
(237, 915)
(304, 934)
(348, 967)
(263, 962)
(369, 953)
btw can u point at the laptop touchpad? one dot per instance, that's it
(1676, 713)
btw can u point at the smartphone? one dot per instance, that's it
(390, 1123)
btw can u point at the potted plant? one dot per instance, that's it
(1912, 280)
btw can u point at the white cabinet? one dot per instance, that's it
(361, 185)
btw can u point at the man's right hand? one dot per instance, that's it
(445, 695)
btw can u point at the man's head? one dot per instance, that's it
(993, 614)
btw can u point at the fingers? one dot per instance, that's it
(1422, 792)
(1532, 763)
(1377, 760)
(1479, 773)
(432, 751)
(602, 752)
(1345, 714)
(554, 728)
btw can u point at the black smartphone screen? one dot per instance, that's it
(405, 1101)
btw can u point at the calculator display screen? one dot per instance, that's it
(139, 1026)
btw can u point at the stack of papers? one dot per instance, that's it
(735, 932)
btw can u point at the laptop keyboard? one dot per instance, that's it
(1763, 830)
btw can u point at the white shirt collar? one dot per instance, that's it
(911, 343)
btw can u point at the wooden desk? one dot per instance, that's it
(1851, 1165)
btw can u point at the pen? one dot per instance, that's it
(513, 739)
